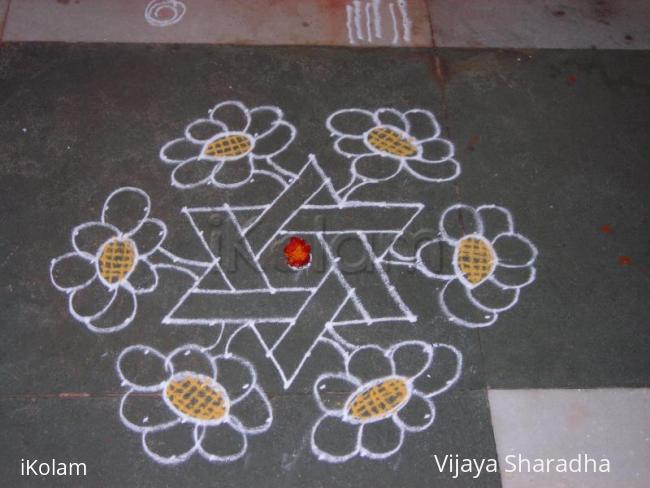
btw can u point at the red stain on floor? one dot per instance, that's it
(473, 141)
(298, 252)
(624, 261)
(571, 79)
(607, 229)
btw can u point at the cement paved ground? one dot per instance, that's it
(560, 138)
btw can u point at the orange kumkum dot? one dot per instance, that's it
(297, 252)
(624, 260)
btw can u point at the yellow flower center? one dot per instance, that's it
(198, 397)
(392, 142)
(116, 260)
(231, 146)
(475, 259)
(378, 400)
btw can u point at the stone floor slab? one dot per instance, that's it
(4, 7)
(47, 428)
(608, 423)
(521, 24)
(556, 137)
(294, 22)
(566, 168)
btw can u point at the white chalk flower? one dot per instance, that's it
(384, 142)
(224, 149)
(191, 402)
(109, 266)
(381, 395)
(483, 260)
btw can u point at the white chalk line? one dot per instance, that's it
(364, 21)
(155, 9)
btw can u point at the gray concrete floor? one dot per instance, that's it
(559, 138)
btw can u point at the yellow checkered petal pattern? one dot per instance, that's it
(379, 400)
(229, 146)
(391, 142)
(116, 260)
(197, 397)
(475, 259)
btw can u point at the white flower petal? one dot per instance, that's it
(435, 259)
(455, 303)
(202, 130)
(411, 358)
(191, 358)
(492, 297)
(332, 390)
(381, 439)
(222, 443)
(172, 445)
(514, 250)
(194, 172)
(417, 415)
(236, 375)
(507, 277)
(142, 368)
(88, 238)
(351, 147)
(391, 117)
(149, 236)
(368, 363)
(126, 208)
(436, 151)
(444, 371)
(423, 124)
(233, 173)
(233, 114)
(117, 315)
(376, 167)
(496, 220)
(433, 172)
(275, 140)
(72, 271)
(263, 119)
(253, 412)
(91, 299)
(460, 220)
(350, 122)
(178, 151)
(142, 412)
(334, 440)
(143, 278)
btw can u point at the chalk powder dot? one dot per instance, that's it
(297, 252)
